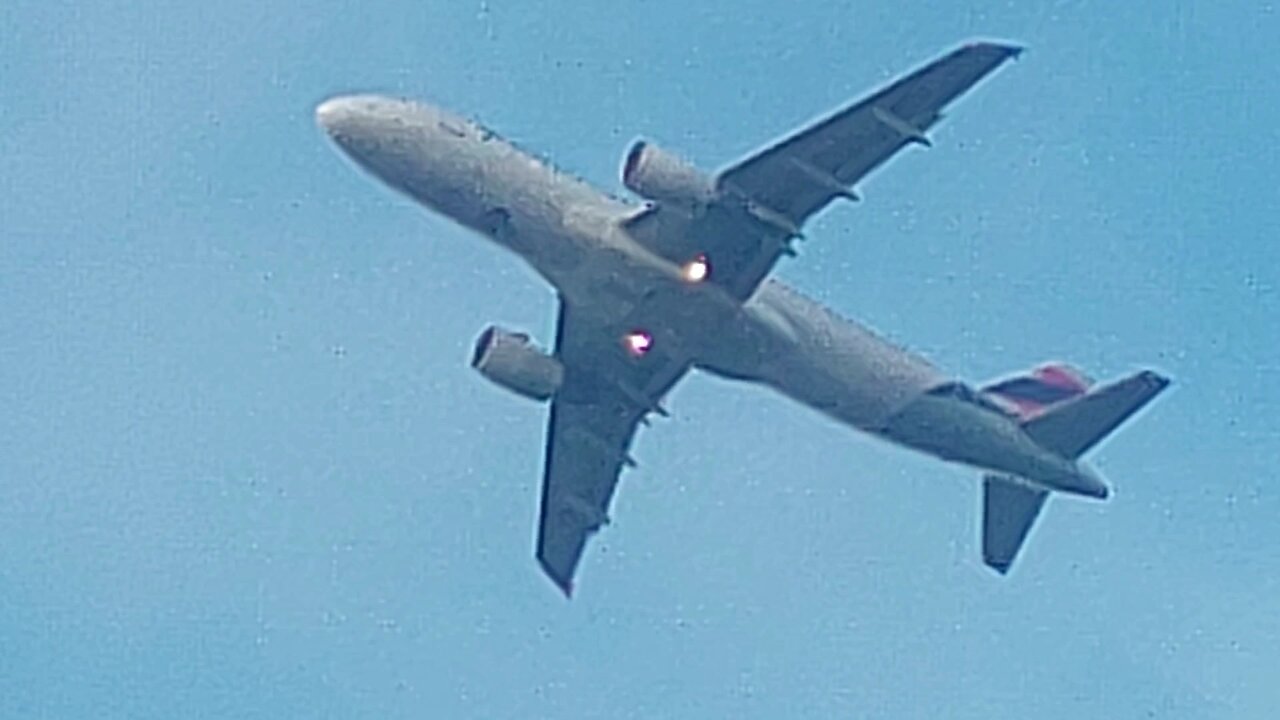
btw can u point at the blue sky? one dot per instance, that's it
(246, 472)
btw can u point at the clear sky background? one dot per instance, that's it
(246, 472)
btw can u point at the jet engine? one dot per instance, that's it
(657, 175)
(511, 360)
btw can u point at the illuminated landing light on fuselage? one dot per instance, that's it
(696, 270)
(638, 342)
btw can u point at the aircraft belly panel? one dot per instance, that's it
(840, 367)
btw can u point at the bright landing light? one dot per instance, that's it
(638, 342)
(697, 269)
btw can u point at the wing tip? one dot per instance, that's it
(566, 587)
(1004, 49)
(562, 582)
(1156, 380)
(1001, 566)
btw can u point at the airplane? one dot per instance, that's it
(649, 291)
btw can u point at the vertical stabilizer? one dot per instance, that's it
(1032, 393)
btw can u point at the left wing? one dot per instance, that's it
(767, 197)
(606, 393)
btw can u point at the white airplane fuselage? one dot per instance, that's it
(573, 235)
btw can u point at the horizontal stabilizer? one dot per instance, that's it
(1009, 509)
(1073, 427)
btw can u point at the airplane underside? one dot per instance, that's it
(647, 293)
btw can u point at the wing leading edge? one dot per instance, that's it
(801, 174)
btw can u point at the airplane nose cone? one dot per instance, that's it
(360, 125)
(336, 114)
(387, 137)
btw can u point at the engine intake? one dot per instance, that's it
(510, 359)
(657, 175)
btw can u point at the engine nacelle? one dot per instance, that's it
(657, 175)
(511, 360)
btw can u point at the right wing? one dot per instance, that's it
(771, 194)
(800, 175)
(606, 393)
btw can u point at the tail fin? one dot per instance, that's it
(1032, 393)
(1069, 428)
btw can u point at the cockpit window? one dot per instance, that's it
(453, 128)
